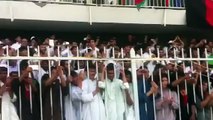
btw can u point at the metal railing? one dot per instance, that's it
(148, 92)
(125, 3)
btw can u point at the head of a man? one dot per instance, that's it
(92, 71)
(110, 71)
(3, 74)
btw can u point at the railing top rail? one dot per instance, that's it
(176, 4)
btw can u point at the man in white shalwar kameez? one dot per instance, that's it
(114, 97)
(8, 111)
(74, 98)
(93, 106)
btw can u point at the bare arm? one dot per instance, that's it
(128, 98)
(63, 81)
(205, 102)
(178, 81)
(49, 81)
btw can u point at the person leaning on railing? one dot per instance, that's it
(7, 97)
(28, 95)
(146, 90)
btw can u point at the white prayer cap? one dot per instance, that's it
(33, 37)
(79, 70)
(34, 67)
(109, 61)
(171, 41)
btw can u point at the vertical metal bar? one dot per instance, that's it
(184, 67)
(20, 100)
(70, 85)
(144, 84)
(208, 76)
(8, 75)
(178, 87)
(161, 90)
(78, 54)
(50, 75)
(154, 102)
(105, 95)
(61, 100)
(30, 87)
(135, 87)
(87, 65)
(113, 51)
(122, 56)
(201, 87)
(40, 86)
(183, 3)
(168, 73)
(160, 78)
(201, 80)
(172, 3)
(157, 3)
(149, 4)
(192, 69)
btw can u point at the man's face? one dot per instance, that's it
(34, 43)
(8, 42)
(92, 73)
(24, 42)
(128, 78)
(110, 74)
(92, 43)
(44, 65)
(169, 66)
(43, 48)
(205, 86)
(127, 48)
(18, 39)
(74, 51)
(14, 75)
(164, 82)
(66, 65)
(3, 75)
(75, 79)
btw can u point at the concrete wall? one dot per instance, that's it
(92, 14)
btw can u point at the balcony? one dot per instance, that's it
(93, 15)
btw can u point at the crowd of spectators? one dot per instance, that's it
(103, 89)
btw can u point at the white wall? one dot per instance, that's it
(72, 13)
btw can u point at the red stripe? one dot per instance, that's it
(138, 1)
(209, 11)
(167, 3)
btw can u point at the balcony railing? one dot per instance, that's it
(170, 4)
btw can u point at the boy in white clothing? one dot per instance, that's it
(93, 106)
(113, 89)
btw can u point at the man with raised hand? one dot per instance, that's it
(113, 89)
(93, 106)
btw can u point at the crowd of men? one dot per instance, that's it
(103, 89)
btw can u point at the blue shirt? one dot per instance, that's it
(144, 99)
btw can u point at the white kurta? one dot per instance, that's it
(130, 114)
(8, 108)
(114, 99)
(68, 106)
(77, 101)
(93, 106)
